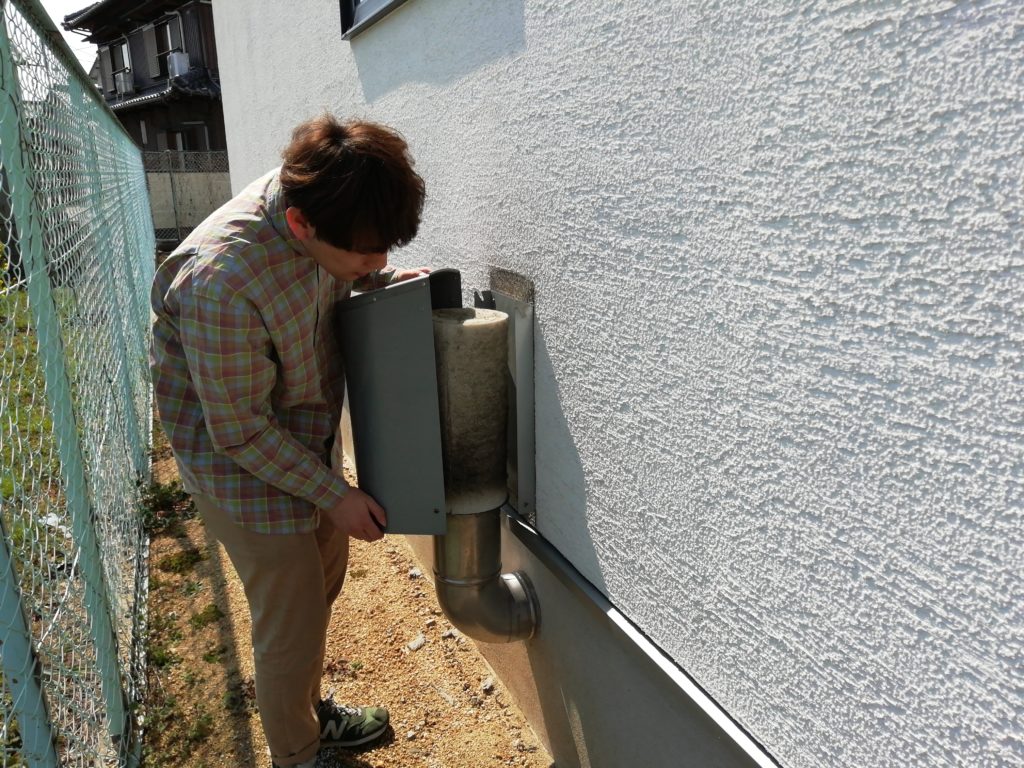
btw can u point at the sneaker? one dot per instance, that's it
(342, 726)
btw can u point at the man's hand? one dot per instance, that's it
(359, 516)
(409, 274)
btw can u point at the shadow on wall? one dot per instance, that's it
(436, 42)
(561, 483)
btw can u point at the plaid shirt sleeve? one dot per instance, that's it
(229, 355)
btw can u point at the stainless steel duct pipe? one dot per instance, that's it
(471, 354)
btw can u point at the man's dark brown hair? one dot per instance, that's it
(355, 183)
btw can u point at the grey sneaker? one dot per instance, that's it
(342, 726)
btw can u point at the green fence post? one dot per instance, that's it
(141, 237)
(20, 665)
(113, 288)
(28, 217)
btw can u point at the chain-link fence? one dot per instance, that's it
(76, 259)
(185, 188)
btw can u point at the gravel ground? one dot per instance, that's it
(388, 644)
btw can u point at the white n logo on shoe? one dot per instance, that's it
(333, 730)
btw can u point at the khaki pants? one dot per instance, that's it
(290, 581)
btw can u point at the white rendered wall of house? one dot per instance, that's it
(780, 352)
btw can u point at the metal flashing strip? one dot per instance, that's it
(369, 12)
(574, 581)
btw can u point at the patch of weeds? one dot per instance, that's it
(162, 712)
(199, 730)
(207, 616)
(355, 666)
(164, 506)
(163, 632)
(10, 737)
(172, 733)
(155, 582)
(163, 496)
(213, 656)
(162, 716)
(240, 697)
(161, 656)
(181, 562)
(192, 588)
(357, 573)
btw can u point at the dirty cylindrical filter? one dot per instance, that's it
(471, 351)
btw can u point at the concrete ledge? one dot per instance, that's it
(598, 693)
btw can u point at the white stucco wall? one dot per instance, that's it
(780, 348)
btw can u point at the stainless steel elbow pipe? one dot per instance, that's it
(479, 599)
(471, 356)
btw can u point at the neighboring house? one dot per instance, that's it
(778, 260)
(158, 70)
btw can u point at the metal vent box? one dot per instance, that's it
(387, 342)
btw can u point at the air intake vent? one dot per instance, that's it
(124, 82)
(177, 64)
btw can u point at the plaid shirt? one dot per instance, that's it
(247, 378)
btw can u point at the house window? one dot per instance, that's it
(115, 68)
(358, 15)
(197, 135)
(119, 58)
(142, 131)
(161, 39)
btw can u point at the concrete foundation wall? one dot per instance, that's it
(777, 251)
(193, 195)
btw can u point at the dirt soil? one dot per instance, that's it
(448, 708)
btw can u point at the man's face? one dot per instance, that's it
(365, 257)
(346, 265)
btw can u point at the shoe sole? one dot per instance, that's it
(356, 743)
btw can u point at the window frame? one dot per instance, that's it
(359, 15)
(123, 53)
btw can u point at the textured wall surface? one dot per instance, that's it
(780, 348)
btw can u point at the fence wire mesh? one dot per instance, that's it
(76, 260)
(185, 188)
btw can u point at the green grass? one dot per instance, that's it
(181, 562)
(10, 739)
(164, 632)
(214, 655)
(205, 617)
(163, 496)
(240, 697)
(164, 506)
(200, 728)
(25, 425)
(31, 487)
(161, 656)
